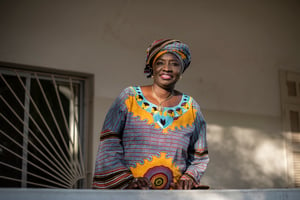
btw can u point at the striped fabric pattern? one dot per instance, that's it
(137, 140)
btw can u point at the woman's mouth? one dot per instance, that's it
(166, 76)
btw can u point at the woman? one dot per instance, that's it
(154, 137)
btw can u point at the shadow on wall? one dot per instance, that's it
(246, 151)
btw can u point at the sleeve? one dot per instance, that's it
(198, 151)
(110, 170)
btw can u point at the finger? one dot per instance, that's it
(148, 182)
(143, 184)
(135, 185)
(140, 186)
(132, 185)
(186, 184)
(173, 186)
(180, 185)
(190, 184)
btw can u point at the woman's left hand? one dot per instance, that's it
(183, 185)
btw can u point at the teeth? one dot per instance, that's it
(166, 76)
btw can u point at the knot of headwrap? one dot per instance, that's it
(160, 47)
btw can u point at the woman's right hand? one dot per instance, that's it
(139, 183)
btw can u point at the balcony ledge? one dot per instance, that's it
(87, 194)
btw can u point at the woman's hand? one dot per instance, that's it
(139, 183)
(183, 185)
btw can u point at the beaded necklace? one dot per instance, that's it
(160, 107)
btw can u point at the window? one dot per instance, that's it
(43, 134)
(290, 100)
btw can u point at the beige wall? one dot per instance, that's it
(237, 49)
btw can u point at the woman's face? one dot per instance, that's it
(167, 70)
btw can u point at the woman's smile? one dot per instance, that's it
(167, 70)
(166, 76)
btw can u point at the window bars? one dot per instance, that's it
(41, 123)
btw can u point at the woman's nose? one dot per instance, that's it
(167, 67)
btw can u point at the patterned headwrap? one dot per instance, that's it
(160, 47)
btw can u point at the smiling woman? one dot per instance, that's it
(154, 137)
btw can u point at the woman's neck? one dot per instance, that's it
(162, 93)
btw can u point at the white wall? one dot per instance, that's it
(237, 49)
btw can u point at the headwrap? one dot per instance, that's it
(160, 47)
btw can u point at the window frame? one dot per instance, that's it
(86, 111)
(289, 104)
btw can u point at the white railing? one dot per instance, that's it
(68, 194)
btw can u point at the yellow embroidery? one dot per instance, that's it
(184, 120)
(137, 111)
(159, 170)
(169, 116)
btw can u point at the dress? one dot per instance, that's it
(137, 140)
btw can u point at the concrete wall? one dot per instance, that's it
(237, 46)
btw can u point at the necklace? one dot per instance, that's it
(160, 107)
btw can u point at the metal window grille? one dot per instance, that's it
(41, 129)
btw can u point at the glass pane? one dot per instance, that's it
(9, 123)
(52, 121)
(294, 116)
(291, 86)
(50, 155)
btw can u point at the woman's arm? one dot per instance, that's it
(197, 154)
(110, 170)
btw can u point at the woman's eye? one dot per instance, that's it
(175, 64)
(159, 63)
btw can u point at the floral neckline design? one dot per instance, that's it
(168, 115)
